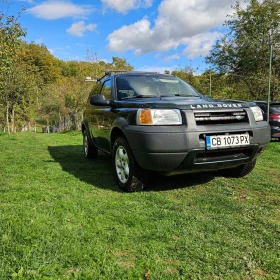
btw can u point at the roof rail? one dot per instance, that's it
(109, 72)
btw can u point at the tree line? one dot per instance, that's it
(38, 88)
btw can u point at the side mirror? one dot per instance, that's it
(99, 100)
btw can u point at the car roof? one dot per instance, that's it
(140, 73)
(116, 73)
(125, 73)
(265, 102)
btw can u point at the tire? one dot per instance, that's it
(90, 151)
(239, 171)
(129, 176)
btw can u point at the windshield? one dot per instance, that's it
(153, 86)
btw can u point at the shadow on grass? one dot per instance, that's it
(158, 182)
(99, 172)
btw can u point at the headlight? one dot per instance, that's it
(257, 113)
(158, 117)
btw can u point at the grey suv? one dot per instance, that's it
(152, 122)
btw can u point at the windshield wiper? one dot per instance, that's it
(140, 96)
(178, 94)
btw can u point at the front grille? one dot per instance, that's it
(221, 117)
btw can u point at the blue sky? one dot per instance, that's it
(153, 35)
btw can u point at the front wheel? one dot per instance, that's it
(239, 171)
(129, 176)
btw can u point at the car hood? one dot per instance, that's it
(193, 103)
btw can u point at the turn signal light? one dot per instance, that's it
(145, 117)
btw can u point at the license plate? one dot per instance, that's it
(224, 141)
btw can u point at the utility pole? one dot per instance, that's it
(269, 80)
(210, 84)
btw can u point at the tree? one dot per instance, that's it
(24, 104)
(64, 101)
(186, 74)
(10, 33)
(120, 64)
(41, 62)
(244, 50)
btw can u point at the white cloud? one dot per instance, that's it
(130, 37)
(200, 44)
(78, 28)
(55, 9)
(180, 22)
(171, 57)
(123, 6)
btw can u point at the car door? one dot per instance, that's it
(101, 120)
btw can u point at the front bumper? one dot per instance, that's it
(177, 149)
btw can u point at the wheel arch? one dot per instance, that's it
(115, 133)
(129, 176)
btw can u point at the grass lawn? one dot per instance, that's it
(63, 217)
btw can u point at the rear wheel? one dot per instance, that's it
(129, 176)
(239, 171)
(90, 151)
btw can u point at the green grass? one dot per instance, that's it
(62, 217)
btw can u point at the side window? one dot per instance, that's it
(106, 89)
(263, 107)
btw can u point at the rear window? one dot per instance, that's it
(275, 109)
